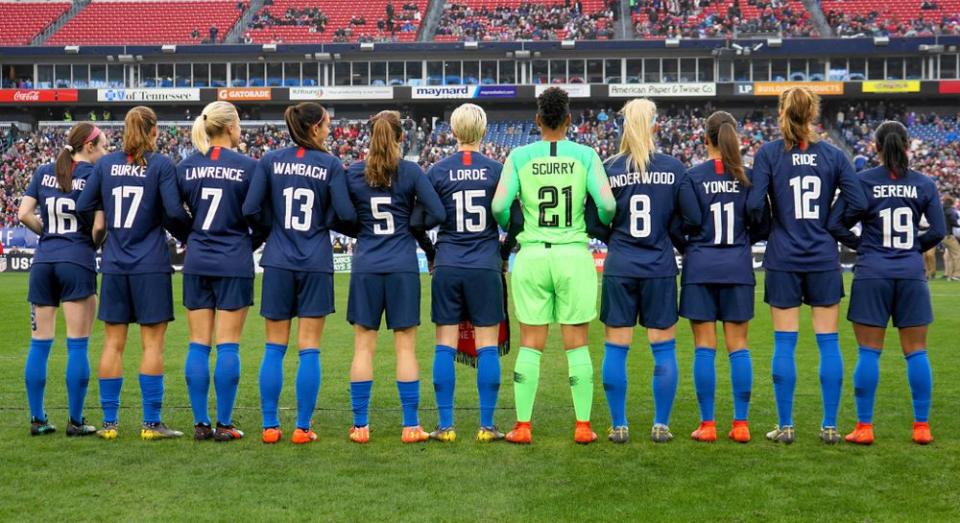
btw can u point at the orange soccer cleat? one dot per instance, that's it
(862, 434)
(521, 433)
(302, 437)
(360, 434)
(706, 432)
(583, 434)
(921, 433)
(740, 431)
(414, 435)
(271, 435)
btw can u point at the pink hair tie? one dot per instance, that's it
(93, 135)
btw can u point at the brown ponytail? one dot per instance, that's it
(799, 108)
(892, 145)
(137, 126)
(722, 133)
(384, 157)
(76, 139)
(300, 120)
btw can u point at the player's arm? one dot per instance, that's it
(851, 190)
(598, 186)
(434, 213)
(837, 225)
(595, 227)
(689, 206)
(516, 227)
(938, 225)
(89, 200)
(759, 224)
(176, 220)
(507, 190)
(257, 195)
(757, 197)
(28, 206)
(99, 231)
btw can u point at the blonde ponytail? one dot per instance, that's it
(799, 109)
(637, 141)
(215, 119)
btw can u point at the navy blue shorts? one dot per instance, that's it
(146, 299)
(216, 292)
(716, 302)
(651, 302)
(787, 289)
(397, 294)
(460, 294)
(874, 302)
(294, 294)
(52, 283)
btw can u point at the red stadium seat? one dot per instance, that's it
(339, 13)
(21, 21)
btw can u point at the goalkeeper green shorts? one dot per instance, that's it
(555, 284)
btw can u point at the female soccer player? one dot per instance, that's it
(218, 269)
(717, 281)
(293, 190)
(889, 279)
(466, 278)
(800, 175)
(554, 276)
(640, 273)
(385, 276)
(137, 189)
(64, 270)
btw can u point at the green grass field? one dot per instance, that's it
(56, 478)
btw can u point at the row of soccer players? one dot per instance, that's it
(646, 203)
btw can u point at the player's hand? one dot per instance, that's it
(506, 265)
(430, 267)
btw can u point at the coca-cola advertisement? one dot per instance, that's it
(33, 96)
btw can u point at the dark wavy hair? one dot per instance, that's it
(553, 106)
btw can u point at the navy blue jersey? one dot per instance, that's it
(714, 203)
(293, 189)
(384, 242)
(135, 199)
(214, 186)
(469, 237)
(64, 237)
(801, 184)
(640, 244)
(891, 245)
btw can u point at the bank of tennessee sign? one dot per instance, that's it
(149, 95)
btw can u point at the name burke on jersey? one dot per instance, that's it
(120, 169)
(621, 180)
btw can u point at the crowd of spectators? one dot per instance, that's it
(719, 18)
(876, 23)
(311, 17)
(562, 20)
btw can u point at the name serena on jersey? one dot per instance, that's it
(894, 191)
(210, 172)
(650, 177)
(300, 169)
(51, 182)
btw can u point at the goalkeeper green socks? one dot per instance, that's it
(580, 370)
(526, 377)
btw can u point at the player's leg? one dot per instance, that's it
(913, 312)
(365, 307)
(823, 291)
(784, 293)
(446, 311)
(153, 307)
(197, 367)
(741, 372)
(116, 312)
(526, 377)
(698, 303)
(234, 296)
(580, 373)
(79, 315)
(618, 311)
(659, 314)
(866, 374)
(402, 307)
(44, 320)
(309, 373)
(278, 305)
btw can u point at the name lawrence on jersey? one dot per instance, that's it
(209, 172)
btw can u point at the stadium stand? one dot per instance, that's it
(655, 19)
(312, 21)
(130, 22)
(21, 21)
(498, 20)
(897, 18)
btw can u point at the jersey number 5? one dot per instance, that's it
(387, 227)
(549, 200)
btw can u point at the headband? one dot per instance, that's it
(93, 134)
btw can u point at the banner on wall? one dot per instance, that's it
(16, 262)
(344, 92)
(891, 86)
(949, 87)
(447, 92)
(663, 90)
(775, 88)
(177, 94)
(34, 96)
(241, 94)
(573, 90)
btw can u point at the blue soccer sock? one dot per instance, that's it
(705, 381)
(226, 380)
(920, 377)
(866, 376)
(614, 372)
(110, 398)
(78, 376)
(831, 376)
(784, 374)
(35, 376)
(444, 383)
(197, 372)
(308, 386)
(360, 398)
(664, 379)
(741, 381)
(271, 383)
(409, 401)
(488, 382)
(151, 391)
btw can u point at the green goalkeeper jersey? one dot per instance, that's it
(553, 180)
